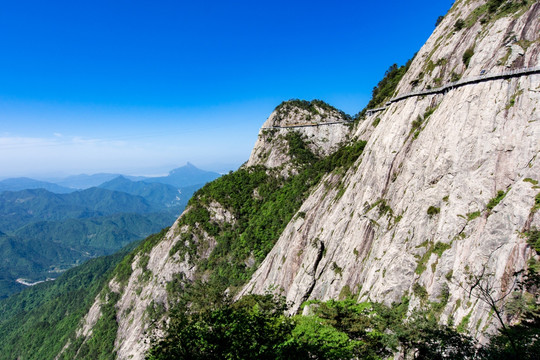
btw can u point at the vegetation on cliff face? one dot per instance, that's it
(492, 10)
(262, 203)
(256, 328)
(313, 108)
(385, 89)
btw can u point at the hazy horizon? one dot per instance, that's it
(156, 171)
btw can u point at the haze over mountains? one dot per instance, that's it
(46, 228)
(186, 175)
(23, 183)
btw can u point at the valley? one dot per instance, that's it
(44, 233)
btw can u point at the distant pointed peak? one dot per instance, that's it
(188, 166)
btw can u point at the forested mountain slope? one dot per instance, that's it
(420, 203)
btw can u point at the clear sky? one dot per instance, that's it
(142, 86)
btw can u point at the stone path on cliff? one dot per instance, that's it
(471, 80)
(439, 90)
(306, 125)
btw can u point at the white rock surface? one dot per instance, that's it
(482, 138)
(323, 133)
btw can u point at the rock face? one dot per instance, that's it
(419, 211)
(143, 296)
(414, 213)
(323, 127)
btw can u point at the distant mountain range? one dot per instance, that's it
(23, 207)
(185, 176)
(23, 183)
(163, 194)
(46, 228)
(84, 181)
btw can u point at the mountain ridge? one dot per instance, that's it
(404, 206)
(184, 176)
(24, 183)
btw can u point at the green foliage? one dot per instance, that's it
(473, 215)
(423, 338)
(503, 7)
(467, 55)
(440, 247)
(37, 323)
(493, 5)
(46, 233)
(444, 296)
(439, 20)
(382, 207)
(261, 203)
(416, 125)
(315, 339)
(437, 248)
(432, 211)
(160, 193)
(346, 293)
(533, 239)
(255, 328)
(25, 207)
(386, 87)
(459, 24)
(536, 205)
(298, 149)
(376, 122)
(429, 111)
(463, 325)
(420, 291)
(100, 344)
(532, 181)
(455, 76)
(496, 200)
(310, 106)
(512, 101)
(495, 9)
(337, 269)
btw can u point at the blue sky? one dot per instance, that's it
(143, 86)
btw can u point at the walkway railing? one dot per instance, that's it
(471, 80)
(306, 125)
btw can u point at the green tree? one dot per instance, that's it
(254, 327)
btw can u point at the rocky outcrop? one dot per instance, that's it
(414, 213)
(144, 296)
(323, 127)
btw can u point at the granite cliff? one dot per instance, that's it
(444, 189)
(415, 213)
